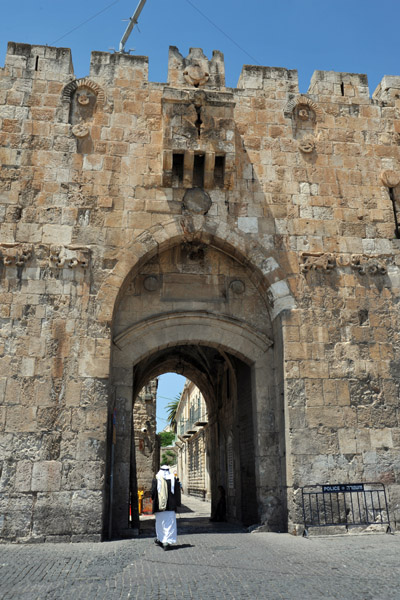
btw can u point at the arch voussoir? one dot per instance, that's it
(247, 251)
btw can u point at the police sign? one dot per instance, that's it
(343, 487)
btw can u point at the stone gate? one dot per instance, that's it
(247, 238)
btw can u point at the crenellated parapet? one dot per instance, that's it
(195, 70)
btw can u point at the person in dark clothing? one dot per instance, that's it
(220, 511)
(166, 496)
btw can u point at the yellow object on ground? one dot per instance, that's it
(140, 498)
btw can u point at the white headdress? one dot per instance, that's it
(165, 473)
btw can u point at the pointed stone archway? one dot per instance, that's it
(198, 306)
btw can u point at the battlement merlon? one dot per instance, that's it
(269, 78)
(388, 89)
(24, 60)
(328, 84)
(28, 61)
(123, 68)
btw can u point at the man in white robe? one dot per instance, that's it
(166, 496)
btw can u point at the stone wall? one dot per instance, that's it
(147, 448)
(99, 175)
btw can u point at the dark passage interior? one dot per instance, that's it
(225, 382)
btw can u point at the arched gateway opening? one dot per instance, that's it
(196, 310)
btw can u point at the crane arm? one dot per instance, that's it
(132, 22)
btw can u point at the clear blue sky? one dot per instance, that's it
(169, 386)
(358, 36)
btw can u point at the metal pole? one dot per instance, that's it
(132, 22)
(113, 443)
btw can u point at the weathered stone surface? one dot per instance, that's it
(78, 475)
(23, 476)
(46, 476)
(15, 516)
(67, 513)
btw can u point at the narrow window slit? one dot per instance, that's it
(37, 64)
(198, 121)
(198, 170)
(219, 171)
(177, 169)
(342, 88)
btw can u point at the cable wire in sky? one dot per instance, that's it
(84, 22)
(223, 32)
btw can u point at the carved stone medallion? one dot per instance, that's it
(196, 75)
(307, 144)
(80, 130)
(83, 98)
(196, 201)
(304, 108)
(237, 286)
(303, 113)
(390, 178)
(150, 283)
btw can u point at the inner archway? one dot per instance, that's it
(225, 382)
(198, 311)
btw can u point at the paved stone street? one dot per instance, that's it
(210, 561)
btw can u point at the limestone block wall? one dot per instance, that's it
(197, 465)
(146, 443)
(96, 176)
(192, 448)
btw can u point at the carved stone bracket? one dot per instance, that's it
(362, 263)
(69, 256)
(57, 257)
(317, 261)
(14, 254)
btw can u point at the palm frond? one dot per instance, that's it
(171, 408)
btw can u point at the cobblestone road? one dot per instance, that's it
(225, 563)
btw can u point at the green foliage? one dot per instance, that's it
(168, 458)
(166, 438)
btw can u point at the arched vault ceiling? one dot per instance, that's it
(201, 364)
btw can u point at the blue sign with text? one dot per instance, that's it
(343, 487)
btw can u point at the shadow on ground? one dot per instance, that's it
(190, 520)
